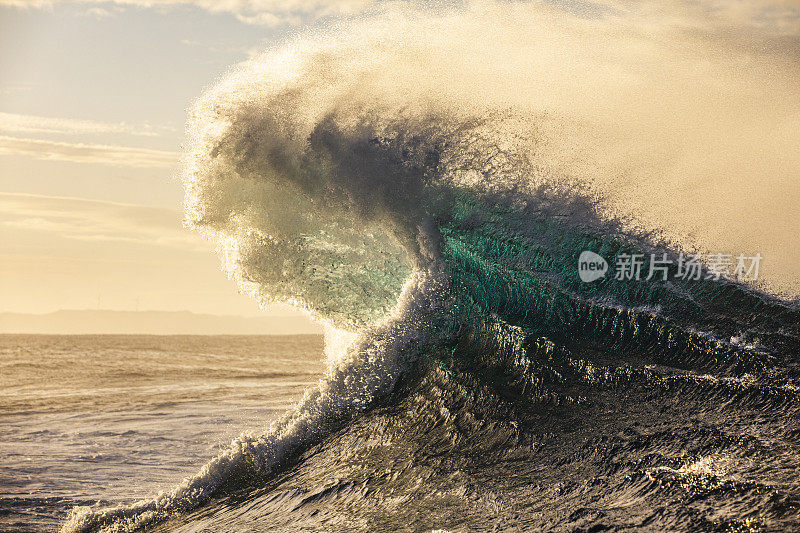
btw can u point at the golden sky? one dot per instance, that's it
(695, 105)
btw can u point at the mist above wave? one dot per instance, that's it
(409, 176)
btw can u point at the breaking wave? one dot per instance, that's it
(439, 245)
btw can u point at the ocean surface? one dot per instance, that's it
(473, 379)
(92, 419)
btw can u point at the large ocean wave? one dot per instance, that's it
(439, 246)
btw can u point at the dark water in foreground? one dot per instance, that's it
(486, 446)
(665, 451)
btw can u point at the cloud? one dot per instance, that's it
(122, 156)
(16, 88)
(98, 13)
(257, 12)
(27, 124)
(93, 220)
(781, 17)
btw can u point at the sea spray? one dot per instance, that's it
(419, 225)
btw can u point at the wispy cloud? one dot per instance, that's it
(92, 220)
(16, 88)
(776, 18)
(122, 156)
(259, 12)
(27, 124)
(98, 12)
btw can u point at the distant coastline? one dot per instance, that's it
(153, 322)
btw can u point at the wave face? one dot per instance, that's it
(481, 384)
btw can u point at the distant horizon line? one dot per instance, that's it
(152, 322)
(87, 310)
(10, 334)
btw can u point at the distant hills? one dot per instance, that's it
(153, 322)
